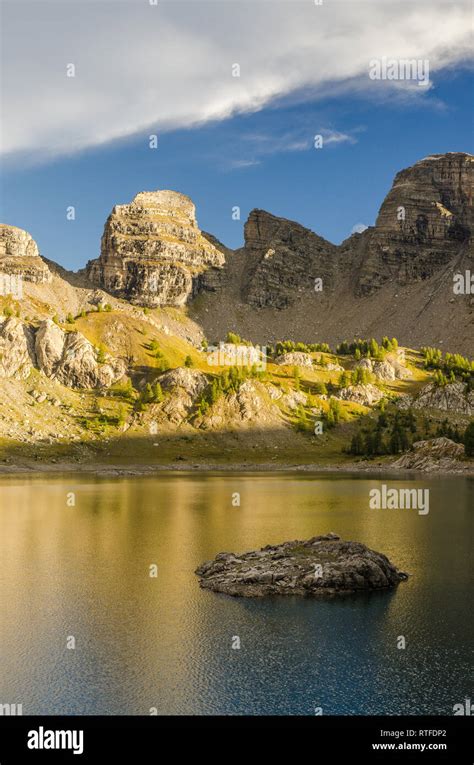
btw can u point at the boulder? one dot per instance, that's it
(72, 360)
(317, 567)
(367, 395)
(17, 356)
(432, 455)
(295, 359)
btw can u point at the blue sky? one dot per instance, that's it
(260, 155)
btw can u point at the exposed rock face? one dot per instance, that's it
(246, 408)
(324, 565)
(153, 252)
(384, 370)
(367, 395)
(454, 397)
(435, 454)
(186, 385)
(19, 256)
(72, 360)
(394, 278)
(295, 359)
(283, 258)
(17, 356)
(423, 222)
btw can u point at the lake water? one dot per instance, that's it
(162, 642)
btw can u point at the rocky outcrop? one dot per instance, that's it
(72, 360)
(248, 407)
(186, 386)
(17, 355)
(283, 259)
(366, 395)
(432, 455)
(153, 252)
(423, 223)
(295, 359)
(454, 397)
(321, 566)
(19, 257)
(394, 278)
(386, 370)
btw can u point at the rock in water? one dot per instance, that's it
(153, 252)
(324, 565)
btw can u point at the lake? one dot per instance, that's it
(82, 571)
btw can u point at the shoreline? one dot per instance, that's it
(269, 467)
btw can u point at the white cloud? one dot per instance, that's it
(143, 68)
(358, 228)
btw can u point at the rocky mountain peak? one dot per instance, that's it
(425, 220)
(153, 252)
(165, 203)
(19, 255)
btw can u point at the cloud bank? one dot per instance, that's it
(142, 68)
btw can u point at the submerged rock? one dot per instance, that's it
(323, 565)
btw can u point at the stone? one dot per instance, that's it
(318, 567)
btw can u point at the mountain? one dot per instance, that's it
(394, 278)
(113, 360)
(152, 251)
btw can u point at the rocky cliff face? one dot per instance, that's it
(153, 252)
(67, 357)
(395, 278)
(72, 360)
(19, 256)
(283, 259)
(424, 222)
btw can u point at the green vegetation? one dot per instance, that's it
(469, 440)
(449, 368)
(235, 339)
(101, 355)
(288, 346)
(368, 348)
(151, 394)
(392, 433)
(226, 382)
(188, 362)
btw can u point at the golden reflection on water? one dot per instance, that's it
(84, 571)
